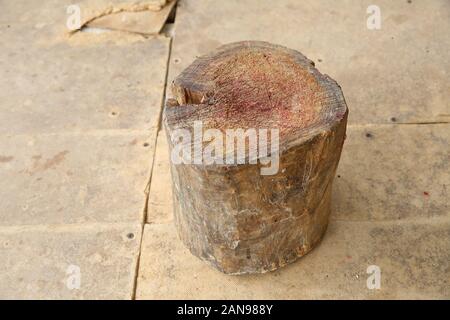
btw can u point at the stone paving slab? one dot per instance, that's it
(400, 71)
(44, 262)
(413, 259)
(160, 196)
(74, 178)
(82, 87)
(392, 172)
(386, 172)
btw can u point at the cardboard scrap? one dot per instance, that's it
(138, 21)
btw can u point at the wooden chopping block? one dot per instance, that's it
(249, 204)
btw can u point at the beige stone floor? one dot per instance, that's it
(390, 199)
(79, 117)
(79, 143)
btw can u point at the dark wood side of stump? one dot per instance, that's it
(230, 215)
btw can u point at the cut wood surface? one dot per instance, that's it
(231, 215)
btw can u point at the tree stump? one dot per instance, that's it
(233, 215)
